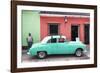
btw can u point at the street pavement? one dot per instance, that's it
(27, 58)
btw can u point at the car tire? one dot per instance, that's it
(79, 52)
(41, 54)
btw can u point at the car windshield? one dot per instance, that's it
(45, 40)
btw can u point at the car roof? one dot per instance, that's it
(56, 36)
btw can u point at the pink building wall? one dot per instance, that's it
(64, 28)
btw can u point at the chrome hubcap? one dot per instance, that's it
(41, 54)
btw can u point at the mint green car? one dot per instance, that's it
(56, 45)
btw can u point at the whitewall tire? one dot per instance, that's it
(41, 54)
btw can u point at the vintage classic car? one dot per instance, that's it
(56, 45)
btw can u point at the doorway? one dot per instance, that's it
(86, 33)
(74, 32)
(53, 29)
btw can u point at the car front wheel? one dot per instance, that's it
(79, 52)
(41, 54)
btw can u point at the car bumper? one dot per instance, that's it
(85, 51)
(31, 53)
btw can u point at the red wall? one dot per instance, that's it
(65, 28)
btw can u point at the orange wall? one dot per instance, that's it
(65, 28)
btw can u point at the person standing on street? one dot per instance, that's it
(29, 40)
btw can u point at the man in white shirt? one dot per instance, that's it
(29, 40)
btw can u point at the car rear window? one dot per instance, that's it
(61, 40)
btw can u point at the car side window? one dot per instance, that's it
(61, 40)
(52, 40)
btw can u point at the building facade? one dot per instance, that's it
(74, 27)
(42, 24)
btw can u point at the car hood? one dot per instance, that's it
(36, 45)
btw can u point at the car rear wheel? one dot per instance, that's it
(41, 54)
(79, 52)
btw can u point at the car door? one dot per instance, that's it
(65, 48)
(52, 46)
(62, 46)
